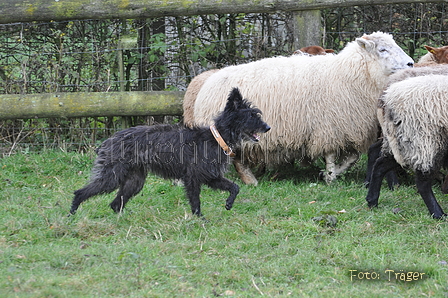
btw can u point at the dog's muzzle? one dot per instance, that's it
(256, 136)
(267, 128)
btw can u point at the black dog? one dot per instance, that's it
(196, 156)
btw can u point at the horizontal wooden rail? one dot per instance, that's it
(58, 10)
(90, 104)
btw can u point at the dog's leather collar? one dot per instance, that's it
(221, 142)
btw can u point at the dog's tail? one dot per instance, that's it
(98, 185)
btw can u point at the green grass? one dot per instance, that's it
(270, 244)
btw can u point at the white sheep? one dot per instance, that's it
(375, 149)
(317, 105)
(417, 72)
(199, 80)
(414, 120)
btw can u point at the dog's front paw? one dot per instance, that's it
(229, 206)
(372, 204)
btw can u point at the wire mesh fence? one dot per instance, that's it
(165, 54)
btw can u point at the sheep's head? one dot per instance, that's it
(440, 54)
(385, 51)
(316, 50)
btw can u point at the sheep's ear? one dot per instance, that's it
(365, 43)
(329, 51)
(431, 49)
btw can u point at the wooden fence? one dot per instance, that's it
(45, 10)
(307, 30)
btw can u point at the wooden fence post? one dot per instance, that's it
(308, 28)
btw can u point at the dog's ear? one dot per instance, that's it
(235, 100)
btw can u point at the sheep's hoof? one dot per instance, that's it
(327, 176)
(250, 180)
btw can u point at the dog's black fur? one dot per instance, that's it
(173, 152)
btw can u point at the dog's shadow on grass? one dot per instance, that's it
(296, 174)
(313, 173)
(292, 172)
(307, 173)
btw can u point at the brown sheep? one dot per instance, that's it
(434, 56)
(314, 50)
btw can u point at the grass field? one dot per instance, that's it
(281, 239)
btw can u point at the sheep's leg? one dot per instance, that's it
(333, 170)
(392, 179)
(382, 165)
(445, 185)
(245, 173)
(348, 160)
(373, 154)
(424, 186)
(330, 167)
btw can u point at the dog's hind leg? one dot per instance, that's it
(225, 184)
(131, 185)
(95, 187)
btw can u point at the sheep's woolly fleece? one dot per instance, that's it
(315, 104)
(191, 94)
(199, 80)
(415, 122)
(403, 74)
